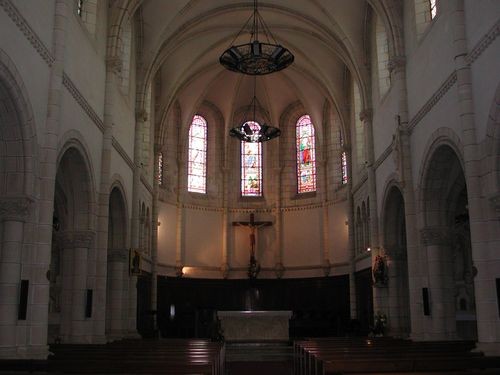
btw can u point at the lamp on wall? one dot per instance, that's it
(255, 57)
(250, 130)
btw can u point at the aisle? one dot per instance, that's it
(258, 358)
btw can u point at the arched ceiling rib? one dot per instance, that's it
(183, 40)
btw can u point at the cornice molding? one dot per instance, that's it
(84, 104)
(117, 146)
(483, 43)
(16, 17)
(15, 208)
(434, 99)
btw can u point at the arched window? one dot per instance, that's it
(87, 11)
(251, 166)
(160, 168)
(433, 8)
(382, 53)
(197, 159)
(343, 161)
(306, 155)
(425, 12)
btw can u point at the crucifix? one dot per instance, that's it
(253, 225)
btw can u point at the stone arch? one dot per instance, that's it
(117, 265)
(17, 134)
(73, 238)
(394, 244)
(446, 239)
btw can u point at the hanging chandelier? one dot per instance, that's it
(251, 130)
(255, 57)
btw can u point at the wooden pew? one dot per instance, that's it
(141, 357)
(345, 355)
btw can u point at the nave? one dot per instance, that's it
(313, 356)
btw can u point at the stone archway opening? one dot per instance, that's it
(71, 257)
(397, 264)
(446, 238)
(117, 268)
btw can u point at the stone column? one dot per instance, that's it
(75, 327)
(279, 268)
(13, 213)
(116, 297)
(351, 243)
(224, 268)
(154, 235)
(484, 283)
(379, 294)
(441, 324)
(141, 117)
(403, 161)
(98, 263)
(179, 239)
(46, 182)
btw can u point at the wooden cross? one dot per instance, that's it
(253, 225)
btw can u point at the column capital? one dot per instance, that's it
(495, 203)
(15, 208)
(118, 255)
(76, 239)
(366, 114)
(396, 63)
(114, 64)
(141, 115)
(435, 235)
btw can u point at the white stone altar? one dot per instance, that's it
(255, 325)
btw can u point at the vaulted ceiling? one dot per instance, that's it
(183, 39)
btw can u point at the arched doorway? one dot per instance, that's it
(70, 304)
(397, 263)
(446, 238)
(117, 275)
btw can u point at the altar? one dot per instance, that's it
(255, 325)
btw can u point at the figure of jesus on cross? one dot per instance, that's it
(253, 225)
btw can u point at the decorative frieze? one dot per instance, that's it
(15, 208)
(114, 64)
(28, 32)
(396, 63)
(434, 236)
(366, 115)
(84, 104)
(118, 255)
(484, 43)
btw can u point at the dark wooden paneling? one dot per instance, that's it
(320, 305)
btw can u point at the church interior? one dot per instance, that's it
(183, 178)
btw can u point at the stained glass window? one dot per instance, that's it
(251, 166)
(160, 168)
(432, 4)
(343, 161)
(197, 159)
(306, 155)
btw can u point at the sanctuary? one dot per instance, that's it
(332, 166)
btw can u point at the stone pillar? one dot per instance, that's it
(351, 243)
(46, 183)
(179, 240)
(75, 327)
(379, 294)
(98, 263)
(116, 297)
(279, 268)
(154, 235)
(488, 325)
(13, 213)
(441, 325)
(141, 117)
(403, 161)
